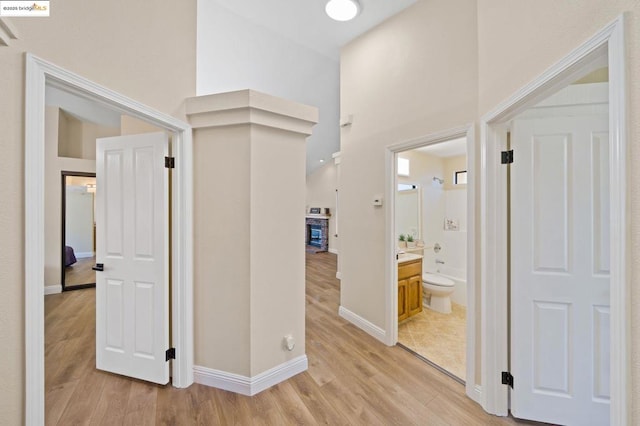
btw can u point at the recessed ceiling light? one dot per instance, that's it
(322, 160)
(342, 10)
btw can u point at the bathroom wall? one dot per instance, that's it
(440, 202)
(455, 240)
(422, 169)
(451, 166)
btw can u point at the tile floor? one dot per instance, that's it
(438, 337)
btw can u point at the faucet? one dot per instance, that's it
(439, 262)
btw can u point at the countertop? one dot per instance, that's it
(408, 257)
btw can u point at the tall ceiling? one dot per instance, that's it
(302, 21)
(305, 22)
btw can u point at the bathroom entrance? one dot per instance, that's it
(430, 229)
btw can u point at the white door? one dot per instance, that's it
(560, 270)
(132, 293)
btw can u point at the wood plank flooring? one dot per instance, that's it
(352, 379)
(80, 272)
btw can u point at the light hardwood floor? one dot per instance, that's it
(80, 272)
(352, 379)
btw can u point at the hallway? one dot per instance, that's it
(352, 378)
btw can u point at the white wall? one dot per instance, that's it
(236, 54)
(454, 242)
(79, 221)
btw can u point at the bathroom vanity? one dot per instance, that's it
(409, 285)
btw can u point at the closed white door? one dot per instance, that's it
(132, 293)
(560, 270)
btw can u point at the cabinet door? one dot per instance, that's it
(414, 294)
(403, 307)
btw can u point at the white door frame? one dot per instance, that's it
(39, 74)
(391, 271)
(608, 44)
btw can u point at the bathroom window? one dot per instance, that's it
(403, 166)
(460, 178)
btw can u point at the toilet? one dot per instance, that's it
(440, 289)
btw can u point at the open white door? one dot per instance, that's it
(132, 291)
(560, 270)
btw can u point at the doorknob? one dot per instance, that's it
(98, 267)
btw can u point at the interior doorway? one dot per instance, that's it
(431, 228)
(395, 297)
(78, 230)
(40, 77)
(603, 50)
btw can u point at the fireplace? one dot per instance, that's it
(317, 235)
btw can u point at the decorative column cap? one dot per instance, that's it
(250, 107)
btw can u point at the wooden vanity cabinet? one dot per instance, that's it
(409, 288)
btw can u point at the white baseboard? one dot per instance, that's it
(250, 385)
(363, 324)
(475, 394)
(84, 254)
(339, 275)
(332, 250)
(52, 289)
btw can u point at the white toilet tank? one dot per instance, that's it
(435, 279)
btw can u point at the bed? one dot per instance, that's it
(69, 256)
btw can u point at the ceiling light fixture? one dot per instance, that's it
(342, 10)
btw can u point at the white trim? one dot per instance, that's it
(7, 32)
(476, 393)
(52, 289)
(39, 74)
(391, 297)
(250, 385)
(339, 275)
(493, 308)
(620, 287)
(363, 324)
(332, 250)
(8, 28)
(494, 311)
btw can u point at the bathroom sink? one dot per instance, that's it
(407, 257)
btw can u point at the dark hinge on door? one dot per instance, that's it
(507, 379)
(169, 162)
(507, 157)
(170, 354)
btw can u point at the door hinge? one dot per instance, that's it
(507, 157)
(507, 379)
(169, 162)
(170, 354)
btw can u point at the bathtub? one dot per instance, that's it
(458, 276)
